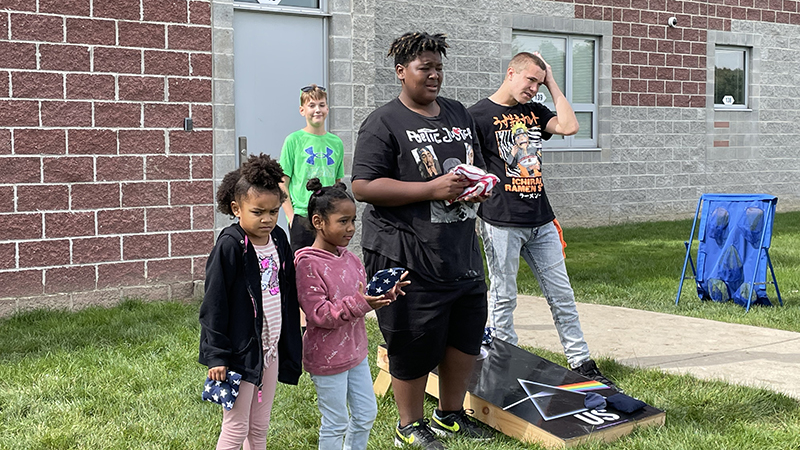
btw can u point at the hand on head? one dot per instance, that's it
(548, 72)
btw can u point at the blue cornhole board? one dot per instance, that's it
(734, 237)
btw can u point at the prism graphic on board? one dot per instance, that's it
(552, 402)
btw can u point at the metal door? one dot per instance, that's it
(274, 56)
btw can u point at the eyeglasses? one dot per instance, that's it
(311, 87)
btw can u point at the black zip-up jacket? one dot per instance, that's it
(230, 328)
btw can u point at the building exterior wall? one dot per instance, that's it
(223, 101)
(103, 195)
(661, 142)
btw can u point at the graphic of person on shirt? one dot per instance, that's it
(427, 162)
(441, 211)
(521, 150)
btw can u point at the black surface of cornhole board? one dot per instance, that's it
(535, 400)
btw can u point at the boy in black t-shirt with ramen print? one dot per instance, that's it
(518, 219)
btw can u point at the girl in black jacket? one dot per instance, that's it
(249, 319)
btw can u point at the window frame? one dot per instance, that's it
(299, 10)
(571, 142)
(747, 51)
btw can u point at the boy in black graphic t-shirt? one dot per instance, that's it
(401, 168)
(428, 236)
(518, 220)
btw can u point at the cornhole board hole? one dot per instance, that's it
(535, 400)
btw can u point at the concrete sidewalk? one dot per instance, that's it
(741, 354)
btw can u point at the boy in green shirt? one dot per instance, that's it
(309, 153)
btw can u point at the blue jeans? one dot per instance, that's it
(335, 394)
(541, 249)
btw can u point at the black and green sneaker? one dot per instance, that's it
(416, 434)
(589, 370)
(459, 424)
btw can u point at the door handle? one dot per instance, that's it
(242, 150)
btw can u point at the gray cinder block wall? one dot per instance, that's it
(103, 195)
(661, 143)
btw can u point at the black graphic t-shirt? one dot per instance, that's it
(511, 143)
(432, 238)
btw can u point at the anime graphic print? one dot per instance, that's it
(521, 149)
(428, 163)
(519, 145)
(269, 275)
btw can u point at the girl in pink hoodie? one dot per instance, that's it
(330, 287)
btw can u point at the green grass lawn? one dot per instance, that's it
(639, 266)
(127, 378)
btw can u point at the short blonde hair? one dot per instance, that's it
(312, 92)
(521, 60)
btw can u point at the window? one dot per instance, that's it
(299, 3)
(730, 77)
(574, 63)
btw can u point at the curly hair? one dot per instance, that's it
(261, 173)
(323, 199)
(409, 46)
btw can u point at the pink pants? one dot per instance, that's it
(248, 422)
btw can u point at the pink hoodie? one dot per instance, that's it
(327, 289)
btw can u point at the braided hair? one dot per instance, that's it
(261, 173)
(409, 46)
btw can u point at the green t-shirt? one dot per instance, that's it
(305, 156)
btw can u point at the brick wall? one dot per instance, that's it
(654, 65)
(103, 195)
(658, 147)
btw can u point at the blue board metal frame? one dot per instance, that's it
(703, 207)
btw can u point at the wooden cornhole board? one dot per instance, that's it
(535, 400)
